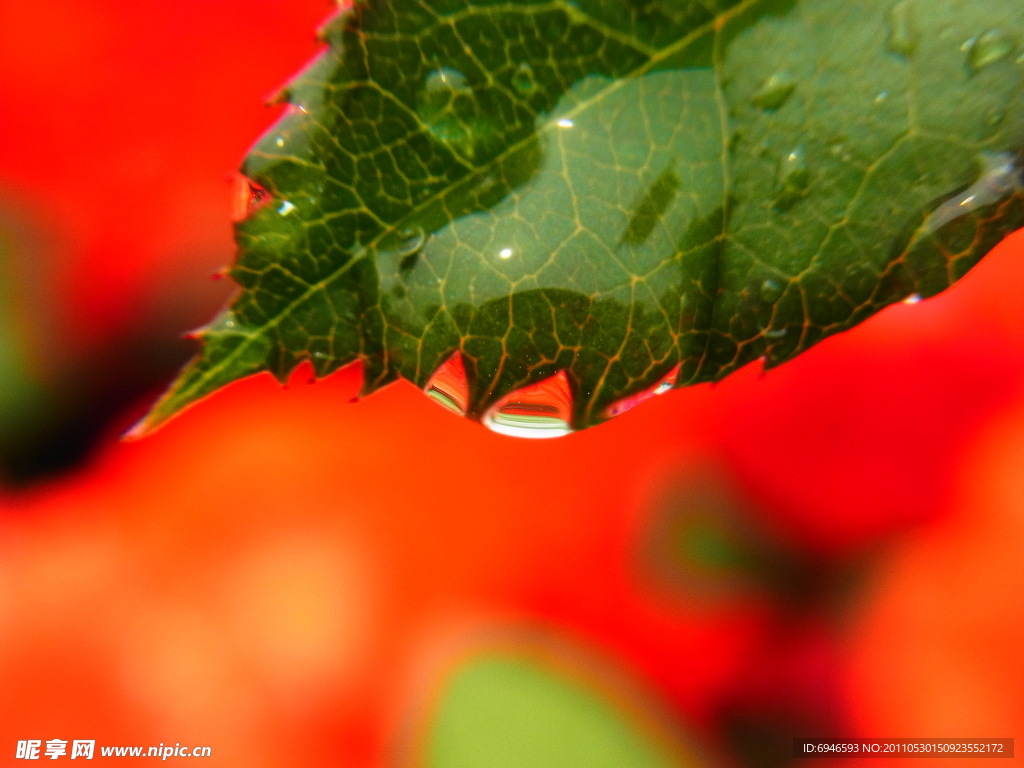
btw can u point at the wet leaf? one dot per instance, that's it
(610, 189)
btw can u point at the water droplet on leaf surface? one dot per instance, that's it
(902, 31)
(452, 114)
(543, 409)
(774, 91)
(793, 178)
(771, 291)
(987, 48)
(1000, 177)
(412, 240)
(524, 80)
(437, 103)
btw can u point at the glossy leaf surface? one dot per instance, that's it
(614, 188)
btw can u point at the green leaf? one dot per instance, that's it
(507, 711)
(614, 188)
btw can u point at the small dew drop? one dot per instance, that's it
(771, 291)
(505, 253)
(565, 123)
(1000, 177)
(902, 31)
(913, 298)
(449, 386)
(412, 240)
(881, 97)
(987, 48)
(285, 208)
(774, 91)
(279, 141)
(794, 177)
(524, 80)
(667, 382)
(445, 81)
(838, 148)
(447, 107)
(538, 410)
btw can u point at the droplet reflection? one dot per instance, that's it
(449, 387)
(543, 409)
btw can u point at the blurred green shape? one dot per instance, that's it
(22, 394)
(506, 711)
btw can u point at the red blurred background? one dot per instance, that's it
(833, 548)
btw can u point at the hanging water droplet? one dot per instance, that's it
(285, 208)
(543, 409)
(1000, 177)
(524, 80)
(987, 48)
(913, 298)
(902, 30)
(663, 385)
(793, 178)
(774, 91)
(449, 386)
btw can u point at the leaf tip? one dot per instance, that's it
(157, 416)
